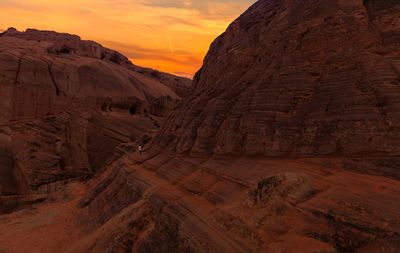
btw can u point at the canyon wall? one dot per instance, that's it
(293, 78)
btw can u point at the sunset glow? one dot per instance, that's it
(171, 36)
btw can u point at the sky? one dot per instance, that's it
(168, 35)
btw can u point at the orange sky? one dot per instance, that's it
(168, 35)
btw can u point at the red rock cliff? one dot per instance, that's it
(297, 78)
(66, 103)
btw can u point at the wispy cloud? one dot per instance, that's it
(213, 9)
(184, 74)
(169, 35)
(171, 48)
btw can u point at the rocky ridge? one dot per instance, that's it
(66, 104)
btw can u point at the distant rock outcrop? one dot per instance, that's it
(65, 105)
(63, 43)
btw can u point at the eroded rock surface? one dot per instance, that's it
(66, 104)
(297, 78)
(171, 203)
(288, 142)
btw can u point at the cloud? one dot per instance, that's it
(169, 4)
(204, 5)
(132, 50)
(171, 48)
(168, 35)
(212, 9)
(177, 20)
(17, 4)
(184, 74)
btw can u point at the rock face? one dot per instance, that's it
(313, 83)
(43, 80)
(288, 78)
(66, 104)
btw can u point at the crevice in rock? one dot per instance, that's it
(359, 82)
(132, 110)
(18, 69)
(370, 16)
(64, 50)
(50, 66)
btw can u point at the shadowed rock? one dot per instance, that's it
(304, 78)
(66, 104)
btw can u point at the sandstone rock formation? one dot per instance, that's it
(288, 142)
(66, 104)
(288, 78)
(170, 203)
